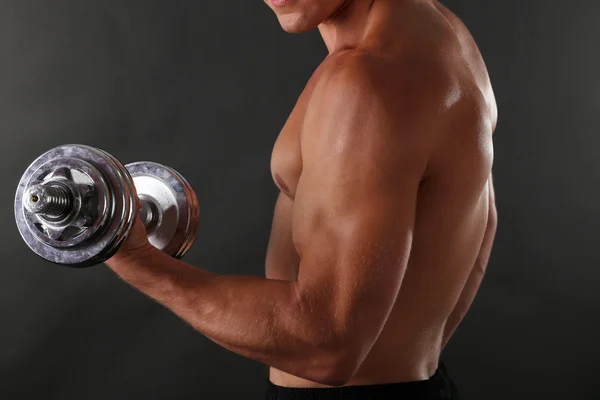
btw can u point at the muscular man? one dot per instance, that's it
(386, 217)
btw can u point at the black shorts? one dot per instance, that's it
(438, 387)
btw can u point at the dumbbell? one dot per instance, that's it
(75, 206)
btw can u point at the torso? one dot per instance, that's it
(444, 247)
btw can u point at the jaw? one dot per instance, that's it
(296, 23)
(303, 16)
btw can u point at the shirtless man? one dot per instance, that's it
(386, 216)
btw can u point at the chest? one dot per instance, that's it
(286, 158)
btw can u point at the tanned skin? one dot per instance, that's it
(386, 217)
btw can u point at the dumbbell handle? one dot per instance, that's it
(54, 201)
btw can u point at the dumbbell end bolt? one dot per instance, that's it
(53, 201)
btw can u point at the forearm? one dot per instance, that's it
(251, 316)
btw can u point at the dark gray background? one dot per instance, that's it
(204, 86)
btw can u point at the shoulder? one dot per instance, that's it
(365, 108)
(408, 89)
(361, 97)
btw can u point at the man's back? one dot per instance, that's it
(423, 51)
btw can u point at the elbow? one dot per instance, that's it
(342, 371)
(336, 367)
(330, 359)
(334, 375)
(336, 381)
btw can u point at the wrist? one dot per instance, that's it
(131, 256)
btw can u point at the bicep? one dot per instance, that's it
(353, 240)
(353, 222)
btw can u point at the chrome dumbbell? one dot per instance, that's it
(74, 206)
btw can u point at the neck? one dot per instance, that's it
(353, 22)
(347, 26)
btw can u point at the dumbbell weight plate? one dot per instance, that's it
(102, 233)
(176, 203)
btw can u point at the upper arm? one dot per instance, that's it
(363, 159)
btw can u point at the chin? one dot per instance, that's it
(296, 24)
